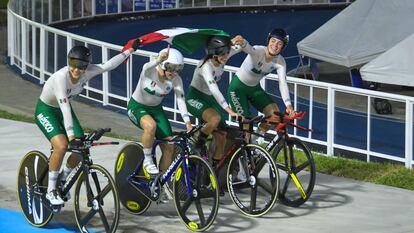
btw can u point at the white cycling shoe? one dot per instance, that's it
(150, 167)
(165, 196)
(54, 197)
(257, 140)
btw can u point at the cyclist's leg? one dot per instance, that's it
(59, 144)
(269, 110)
(237, 96)
(212, 119)
(167, 155)
(139, 115)
(220, 143)
(219, 135)
(149, 126)
(263, 103)
(200, 105)
(73, 158)
(48, 119)
(164, 131)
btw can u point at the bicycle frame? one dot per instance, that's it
(276, 140)
(168, 173)
(281, 128)
(70, 181)
(239, 142)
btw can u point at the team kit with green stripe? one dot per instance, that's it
(54, 114)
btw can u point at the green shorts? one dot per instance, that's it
(197, 102)
(136, 111)
(50, 120)
(239, 95)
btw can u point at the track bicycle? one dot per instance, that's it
(96, 199)
(251, 175)
(293, 158)
(195, 191)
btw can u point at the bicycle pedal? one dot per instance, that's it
(56, 208)
(153, 176)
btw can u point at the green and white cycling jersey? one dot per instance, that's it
(50, 121)
(254, 68)
(150, 91)
(59, 89)
(205, 78)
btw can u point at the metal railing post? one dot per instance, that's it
(408, 134)
(93, 8)
(42, 54)
(369, 129)
(105, 78)
(70, 9)
(10, 35)
(330, 122)
(49, 16)
(23, 46)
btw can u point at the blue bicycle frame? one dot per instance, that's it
(170, 170)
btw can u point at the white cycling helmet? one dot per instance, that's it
(174, 62)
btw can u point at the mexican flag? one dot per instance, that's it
(187, 40)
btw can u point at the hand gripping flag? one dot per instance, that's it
(185, 39)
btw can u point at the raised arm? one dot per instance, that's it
(114, 61)
(151, 64)
(242, 44)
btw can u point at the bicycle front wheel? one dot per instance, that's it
(96, 201)
(197, 201)
(297, 171)
(252, 180)
(32, 178)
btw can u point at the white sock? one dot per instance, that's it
(53, 175)
(147, 154)
(66, 171)
(254, 137)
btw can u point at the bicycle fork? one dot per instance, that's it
(290, 166)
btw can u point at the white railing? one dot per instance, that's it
(39, 50)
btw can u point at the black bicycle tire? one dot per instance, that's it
(113, 188)
(273, 179)
(24, 190)
(291, 142)
(214, 185)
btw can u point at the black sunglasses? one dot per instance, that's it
(76, 63)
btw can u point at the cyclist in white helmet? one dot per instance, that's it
(158, 77)
(54, 114)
